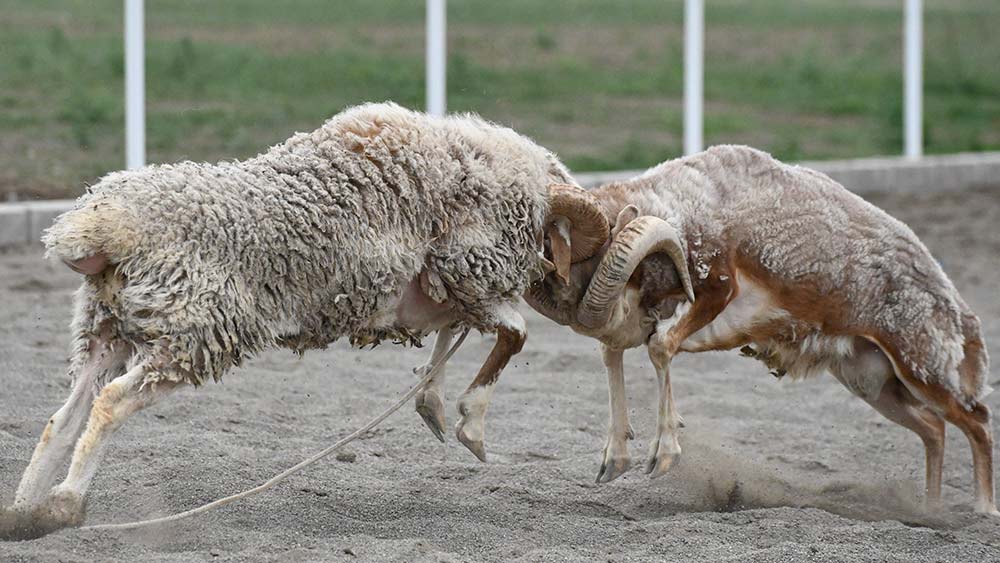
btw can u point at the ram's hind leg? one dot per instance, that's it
(64, 505)
(118, 400)
(472, 405)
(429, 400)
(900, 406)
(869, 374)
(64, 427)
(974, 422)
(55, 445)
(972, 419)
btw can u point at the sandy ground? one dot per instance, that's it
(771, 470)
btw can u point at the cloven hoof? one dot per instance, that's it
(58, 511)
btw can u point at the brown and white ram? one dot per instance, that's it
(730, 248)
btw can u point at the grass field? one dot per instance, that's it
(598, 82)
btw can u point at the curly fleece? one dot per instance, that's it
(310, 241)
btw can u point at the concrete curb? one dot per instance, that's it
(881, 174)
(23, 223)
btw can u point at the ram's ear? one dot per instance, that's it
(625, 216)
(88, 266)
(560, 242)
(547, 266)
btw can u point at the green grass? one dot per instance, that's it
(599, 82)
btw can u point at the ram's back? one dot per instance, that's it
(843, 263)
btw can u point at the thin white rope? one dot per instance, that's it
(296, 468)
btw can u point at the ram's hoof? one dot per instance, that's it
(478, 449)
(9, 520)
(431, 409)
(660, 464)
(62, 509)
(986, 507)
(475, 445)
(613, 468)
(471, 427)
(663, 453)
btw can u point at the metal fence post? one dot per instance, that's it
(913, 79)
(436, 57)
(694, 57)
(135, 79)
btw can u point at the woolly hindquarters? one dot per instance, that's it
(96, 227)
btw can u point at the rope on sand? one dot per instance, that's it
(296, 468)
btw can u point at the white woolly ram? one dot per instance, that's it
(383, 223)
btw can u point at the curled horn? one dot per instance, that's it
(641, 237)
(576, 226)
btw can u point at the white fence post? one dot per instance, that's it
(436, 37)
(694, 58)
(135, 78)
(913, 79)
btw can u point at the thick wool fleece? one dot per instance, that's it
(310, 241)
(807, 231)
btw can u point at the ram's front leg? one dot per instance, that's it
(472, 405)
(616, 458)
(671, 333)
(665, 447)
(429, 400)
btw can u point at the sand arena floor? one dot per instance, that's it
(771, 471)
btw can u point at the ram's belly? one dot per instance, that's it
(752, 312)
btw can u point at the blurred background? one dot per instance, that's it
(598, 82)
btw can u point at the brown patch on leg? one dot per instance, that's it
(102, 417)
(474, 402)
(712, 300)
(47, 433)
(975, 424)
(509, 343)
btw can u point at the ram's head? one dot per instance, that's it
(640, 264)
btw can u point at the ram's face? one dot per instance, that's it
(604, 294)
(557, 298)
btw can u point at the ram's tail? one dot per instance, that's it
(91, 236)
(974, 370)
